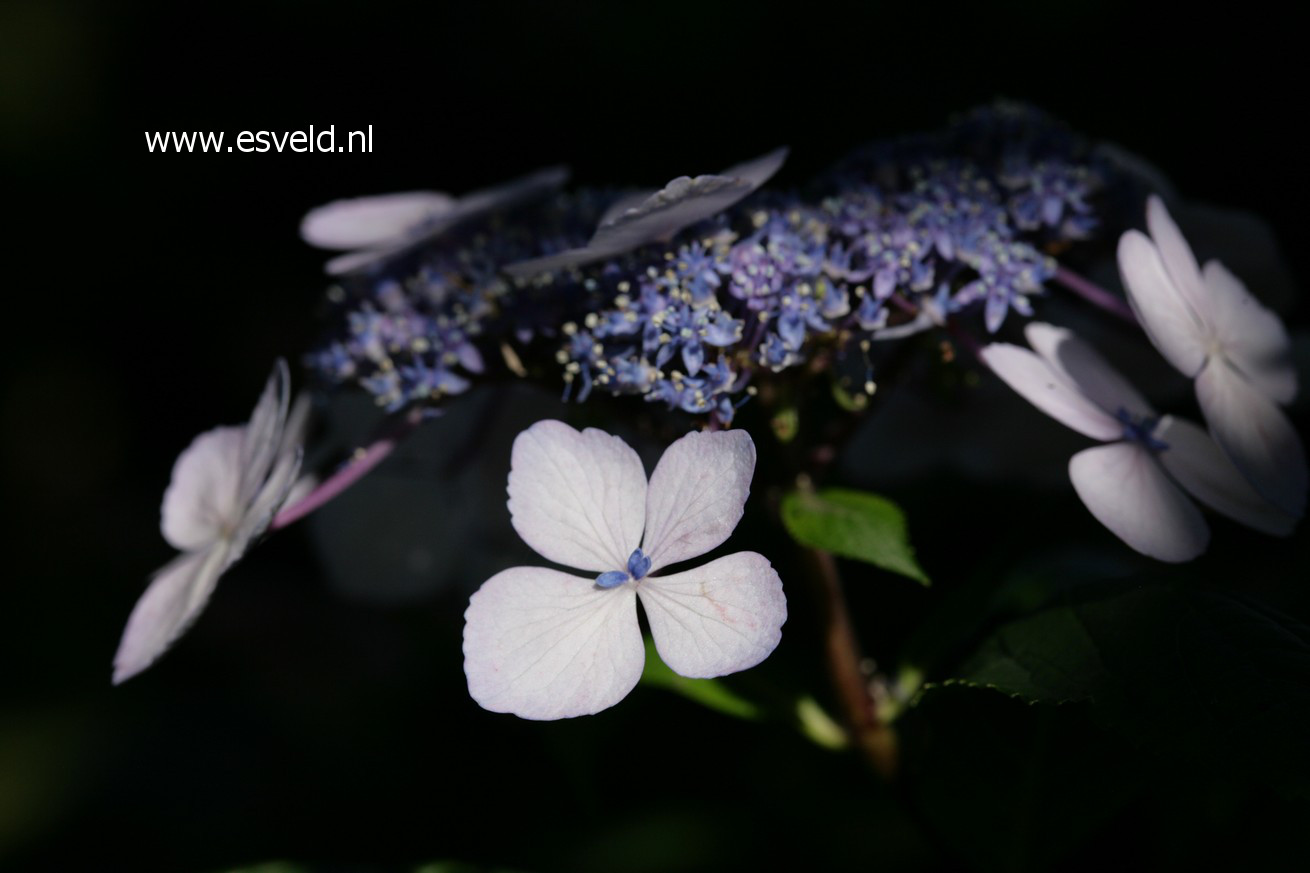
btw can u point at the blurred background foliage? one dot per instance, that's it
(317, 713)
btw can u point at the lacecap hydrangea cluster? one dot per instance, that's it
(654, 295)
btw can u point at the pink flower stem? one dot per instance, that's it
(1094, 294)
(365, 459)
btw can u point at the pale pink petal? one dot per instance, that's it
(1202, 468)
(176, 595)
(1165, 316)
(1035, 380)
(719, 618)
(202, 503)
(1255, 434)
(1128, 492)
(1085, 369)
(630, 223)
(578, 499)
(1253, 338)
(1176, 256)
(542, 644)
(697, 494)
(368, 222)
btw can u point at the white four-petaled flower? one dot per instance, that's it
(544, 644)
(224, 491)
(1129, 484)
(1205, 323)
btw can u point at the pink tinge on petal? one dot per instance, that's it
(1126, 490)
(578, 499)
(1047, 389)
(543, 645)
(1165, 315)
(718, 618)
(697, 495)
(1255, 435)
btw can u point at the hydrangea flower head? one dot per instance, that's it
(224, 491)
(1131, 484)
(544, 644)
(1205, 323)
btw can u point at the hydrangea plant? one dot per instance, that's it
(740, 313)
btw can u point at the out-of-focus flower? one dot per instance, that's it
(1205, 323)
(225, 489)
(1131, 484)
(543, 644)
(377, 228)
(648, 217)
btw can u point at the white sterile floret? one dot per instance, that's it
(1131, 484)
(378, 227)
(654, 216)
(545, 644)
(1205, 323)
(225, 489)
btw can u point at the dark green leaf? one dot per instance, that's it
(853, 524)
(1199, 673)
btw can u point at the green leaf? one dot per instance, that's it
(1010, 787)
(853, 524)
(710, 693)
(1201, 674)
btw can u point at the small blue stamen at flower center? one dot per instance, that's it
(638, 564)
(1141, 430)
(638, 567)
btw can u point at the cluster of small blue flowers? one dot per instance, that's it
(897, 238)
(411, 331)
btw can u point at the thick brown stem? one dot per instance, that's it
(869, 733)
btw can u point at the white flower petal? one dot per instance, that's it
(697, 495)
(1165, 316)
(1086, 370)
(175, 597)
(368, 222)
(1253, 337)
(630, 223)
(349, 263)
(392, 224)
(1128, 492)
(1255, 434)
(202, 501)
(719, 618)
(578, 499)
(542, 644)
(1035, 380)
(263, 435)
(1202, 468)
(1176, 256)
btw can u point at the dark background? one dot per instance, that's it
(147, 294)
